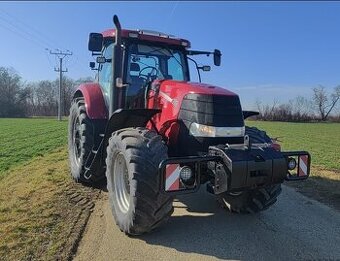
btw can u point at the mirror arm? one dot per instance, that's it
(96, 53)
(193, 52)
(197, 68)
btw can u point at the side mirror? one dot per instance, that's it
(95, 42)
(92, 65)
(217, 57)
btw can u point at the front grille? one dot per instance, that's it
(212, 110)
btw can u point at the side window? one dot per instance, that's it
(105, 73)
(175, 68)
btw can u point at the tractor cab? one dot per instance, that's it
(147, 62)
(145, 56)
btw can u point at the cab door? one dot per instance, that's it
(105, 73)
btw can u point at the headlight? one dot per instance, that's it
(185, 173)
(200, 130)
(291, 163)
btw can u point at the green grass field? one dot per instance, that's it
(322, 140)
(35, 182)
(24, 139)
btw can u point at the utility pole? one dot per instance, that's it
(61, 55)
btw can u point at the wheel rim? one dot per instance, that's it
(121, 181)
(76, 141)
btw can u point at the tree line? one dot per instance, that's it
(21, 99)
(323, 106)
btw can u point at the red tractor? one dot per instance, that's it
(153, 134)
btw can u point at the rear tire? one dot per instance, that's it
(133, 157)
(252, 201)
(80, 139)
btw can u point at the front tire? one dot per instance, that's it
(133, 157)
(252, 201)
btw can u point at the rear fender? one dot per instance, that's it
(94, 100)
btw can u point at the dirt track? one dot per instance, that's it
(295, 228)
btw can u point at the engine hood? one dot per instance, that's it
(178, 89)
(171, 95)
(204, 104)
(173, 92)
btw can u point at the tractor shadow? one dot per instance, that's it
(200, 225)
(100, 185)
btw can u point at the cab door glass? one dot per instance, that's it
(105, 73)
(176, 67)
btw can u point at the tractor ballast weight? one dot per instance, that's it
(154, 134)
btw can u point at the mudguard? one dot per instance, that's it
(120, 119)
(247, 114)
(124, 118)
(94, 100)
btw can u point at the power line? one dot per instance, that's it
(61, 55)
(34, 35)
(21, 35)
(48, 58)
(43, 37)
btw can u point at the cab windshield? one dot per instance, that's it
(148, 62)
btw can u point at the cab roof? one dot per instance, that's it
(148, 35)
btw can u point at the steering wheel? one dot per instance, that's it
(149, 75)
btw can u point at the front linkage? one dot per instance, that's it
(233, 168)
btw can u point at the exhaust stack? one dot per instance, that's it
(117, 69)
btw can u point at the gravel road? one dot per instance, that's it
(295, 228)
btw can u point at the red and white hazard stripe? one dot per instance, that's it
(172, 177)
(303, 163)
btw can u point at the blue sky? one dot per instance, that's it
(271, 50)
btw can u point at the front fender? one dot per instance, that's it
(120, 119)
(125, 118)
(94, 100)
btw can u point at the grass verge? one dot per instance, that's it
(42, 211)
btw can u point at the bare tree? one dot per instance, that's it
(325, 104)
(69, 86)
(267, 111)
(301, 109)
(11, 96)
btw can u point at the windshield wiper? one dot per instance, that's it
(173, 56)
(169, 50)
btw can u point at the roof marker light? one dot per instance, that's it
(133, 35)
